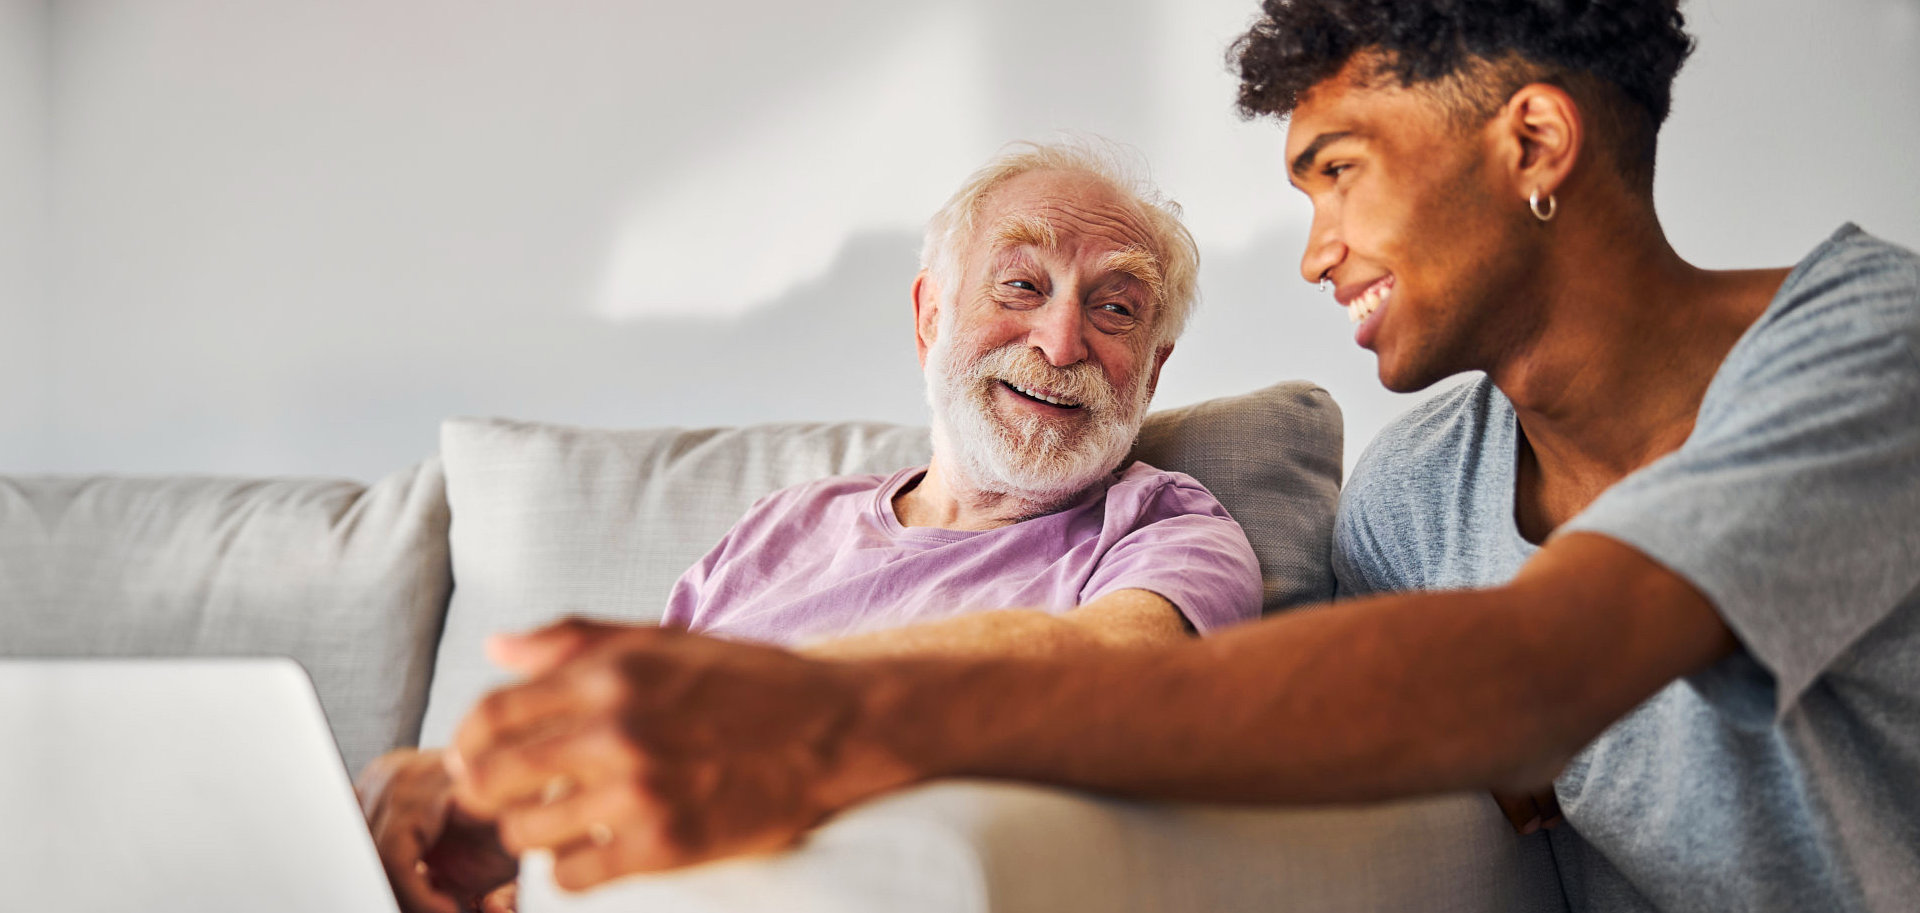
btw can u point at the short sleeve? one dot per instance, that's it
(1360, 565)
(1794, 506)
(686, 597)
(1186, 548)
(687, 601)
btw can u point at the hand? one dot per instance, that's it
(438, 858)
(1532, 811)
(633, 749)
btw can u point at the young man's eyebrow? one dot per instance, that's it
(1304, 161)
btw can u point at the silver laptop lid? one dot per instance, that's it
(205, 784)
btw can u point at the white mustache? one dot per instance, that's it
(1022, 365)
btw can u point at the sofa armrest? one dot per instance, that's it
(976, 846)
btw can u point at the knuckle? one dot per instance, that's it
(491, 711)
(607, 686)
(623, 751)
(578, 871)
(653, 789)
(510, 829)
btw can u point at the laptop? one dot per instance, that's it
(210, 785)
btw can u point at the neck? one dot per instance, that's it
(1626, 338)
(945, 499)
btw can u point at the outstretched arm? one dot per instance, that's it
(1383, 697)
(680, 749)
(1123, 618)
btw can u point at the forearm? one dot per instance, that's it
(1393, 696)
(1291, 710)
(1003, 632)
(1127, 618)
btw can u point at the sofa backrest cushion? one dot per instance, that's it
(551, 521)
(1272, 457)
(350, 580)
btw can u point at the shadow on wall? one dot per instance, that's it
(872, 142)
(839, 347)
(287, 241)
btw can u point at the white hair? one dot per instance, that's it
(1122, 169)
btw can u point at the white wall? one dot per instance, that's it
(23, 233)
(288, 237)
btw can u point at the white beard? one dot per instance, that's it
(1046, 462)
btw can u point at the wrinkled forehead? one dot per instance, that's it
(1068, 212)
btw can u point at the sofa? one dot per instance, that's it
(384, 591)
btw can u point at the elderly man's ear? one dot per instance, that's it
(1159, 359)
(926, 313)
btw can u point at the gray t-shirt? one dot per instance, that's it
(1787, 776)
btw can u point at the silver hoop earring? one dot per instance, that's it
(1544, 215)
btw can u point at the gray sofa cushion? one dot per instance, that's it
(350, 580)
(551, 520)
(1272, 457)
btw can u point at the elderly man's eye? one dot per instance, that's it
(1023, 285)
(1114, 317)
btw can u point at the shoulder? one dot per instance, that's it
(1165, 532)
(1840, 338)
(1153, 493)
(1853, 260)
(1431, 447)
(1408, 506)
(1853, 283)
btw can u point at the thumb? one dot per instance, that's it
(537, 652)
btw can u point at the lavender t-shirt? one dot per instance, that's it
(829, 558)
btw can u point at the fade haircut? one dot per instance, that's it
(1617, 58)
(1119, 168)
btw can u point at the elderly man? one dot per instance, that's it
(1655, 571)
(1052, 290)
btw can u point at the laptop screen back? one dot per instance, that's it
(204, 784)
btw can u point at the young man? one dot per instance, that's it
(1661, 565)
(1053, 291)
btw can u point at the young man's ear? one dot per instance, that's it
(926, 313)
(1543, 135)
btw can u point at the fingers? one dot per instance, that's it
(537, 652)
(647, 844)
(586, 816)
(403, 796)
(1530, 812)
(673, 749)
(412, 881)
(1549, 805)
(1518, 809)
(500, 776)
(504, 899)
(402, 850)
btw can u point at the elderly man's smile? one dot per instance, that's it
(1041, 396)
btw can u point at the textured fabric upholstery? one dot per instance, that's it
(551, 520)
(350, 580)
(986, 847)
(1272, 457)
